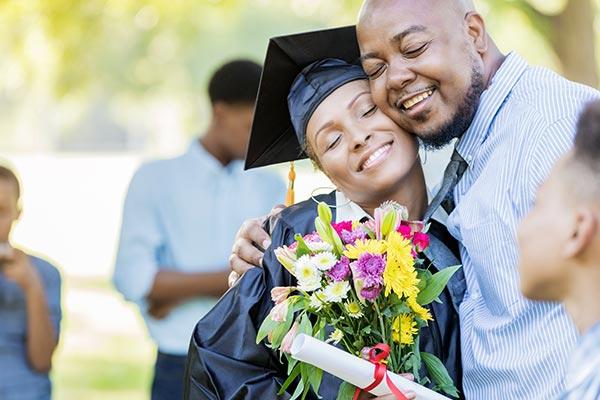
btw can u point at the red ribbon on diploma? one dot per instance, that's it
(377, 356)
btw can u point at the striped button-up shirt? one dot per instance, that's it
(583, 378)
(512, 347)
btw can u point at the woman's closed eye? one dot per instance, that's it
(334, 142)
(370, 111)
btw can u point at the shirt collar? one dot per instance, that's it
(490, 103)
(198, 153)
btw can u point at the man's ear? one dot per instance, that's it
(583, 231)
(476, 29)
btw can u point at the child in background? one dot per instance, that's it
(560, 250)
(29, 308)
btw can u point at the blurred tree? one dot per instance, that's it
(568, 25)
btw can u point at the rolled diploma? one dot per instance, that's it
(352, 369)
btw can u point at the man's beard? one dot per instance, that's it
(460, 122)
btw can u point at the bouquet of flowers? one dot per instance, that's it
(364, 283)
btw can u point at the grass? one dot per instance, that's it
(105, 352)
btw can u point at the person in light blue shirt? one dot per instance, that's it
(559, 243)
(30, 310)
(179, 220)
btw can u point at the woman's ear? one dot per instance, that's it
(584, 229)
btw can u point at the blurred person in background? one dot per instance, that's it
(560, 250)
(30, 311)
(180, 218)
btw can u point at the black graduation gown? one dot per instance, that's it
(224, 361)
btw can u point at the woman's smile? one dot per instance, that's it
(375, 156)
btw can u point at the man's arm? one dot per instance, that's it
(41, 337)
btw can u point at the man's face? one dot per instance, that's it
(425, 71)
(236, 120)
(9, 208)
(543, 236)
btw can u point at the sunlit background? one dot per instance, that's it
(91, 88)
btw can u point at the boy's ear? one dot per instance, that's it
(583, 231)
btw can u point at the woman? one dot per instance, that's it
(370, 160)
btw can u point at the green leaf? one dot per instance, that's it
(280, 331)
(266, 327)
(436, 285)
(291, 377)
(305, 325)
(302, 248)
(346, 391)
(299, 389)
(338, 246)
(388, 223)
(324, 213)
(323, 231)
(438, 374)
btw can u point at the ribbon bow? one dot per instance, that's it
(377, 355)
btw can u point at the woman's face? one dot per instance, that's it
(364, 153)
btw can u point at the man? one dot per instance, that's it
(179, 218)
(560, 250)
(435, 70)
(29, 308)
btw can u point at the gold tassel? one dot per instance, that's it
(289, 197)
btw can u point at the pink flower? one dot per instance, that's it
(342, 226)
(421, 241)
(405, 231)
(288, 339)
(279, 312)
(280, 293)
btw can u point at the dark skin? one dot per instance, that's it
(41, 338)
(225, 140)
(410, 48)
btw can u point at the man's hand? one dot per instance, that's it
(18, 268)
(161, 310)
(249, 245)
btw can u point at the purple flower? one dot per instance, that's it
(370, 265)
(350, 237)
(340, 271)
(369, 269)
(370, 293)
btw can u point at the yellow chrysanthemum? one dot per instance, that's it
(418, 309)
(404, 329)
(360, 247)
(400, 275)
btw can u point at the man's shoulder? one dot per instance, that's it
(547, 97)
(300, 217)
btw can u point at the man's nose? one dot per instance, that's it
(399, 74)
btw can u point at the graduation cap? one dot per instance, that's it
(273, 138)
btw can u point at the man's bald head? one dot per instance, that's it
(462, 7)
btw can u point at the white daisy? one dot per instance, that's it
(337, 291)
(324, 261)
(316, 247)
(317, 300)
(335, 337)
(307, 274)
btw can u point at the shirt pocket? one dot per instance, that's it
(491, 250)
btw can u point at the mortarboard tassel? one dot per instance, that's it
(289, 197)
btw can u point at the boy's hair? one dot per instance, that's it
(8, 175)
(584, 162)
(587, 140)
(235, 82)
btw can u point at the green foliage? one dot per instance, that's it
(436, 284)
(346, 391)
(438, 374)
